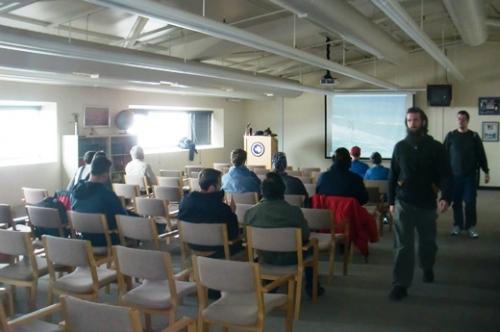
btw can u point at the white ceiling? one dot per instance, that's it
(253, 71)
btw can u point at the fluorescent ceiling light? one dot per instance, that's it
(269, 94)
(399, 16)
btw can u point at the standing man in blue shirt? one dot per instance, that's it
(357, 166)
(239, 179)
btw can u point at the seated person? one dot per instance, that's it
(293, 185)
(339, 181)
(207, 206)
(83, 172)
(357, 166)
(93, 196)
(274, 212)
(138, 167)
(377, 172)
(239, 179)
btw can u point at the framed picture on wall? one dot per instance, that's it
(490, 131)
(489, 105)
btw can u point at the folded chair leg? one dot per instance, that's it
(289, 308)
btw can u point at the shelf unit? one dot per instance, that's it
(116, 147)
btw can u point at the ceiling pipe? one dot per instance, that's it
(34, 42)
(402, 19)
(339, 17)
(469, 19)
(183, 19)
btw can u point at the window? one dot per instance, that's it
(161, 130)
(28, 134)
(374, 122)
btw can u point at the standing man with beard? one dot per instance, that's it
(419, 168)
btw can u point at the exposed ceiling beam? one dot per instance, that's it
(204, 25)
(39, 43)
(73, 17)
(136, 30)
(10, 6)
(146, 35)
(402, 19)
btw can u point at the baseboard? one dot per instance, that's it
(489, 188)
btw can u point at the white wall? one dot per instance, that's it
(303, 120)
(73, 99)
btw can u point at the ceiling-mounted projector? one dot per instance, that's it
(327, 79)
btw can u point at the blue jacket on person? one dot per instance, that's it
(359, 168)
(239, 179)
(377, 172)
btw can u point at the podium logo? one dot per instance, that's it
(257, 149)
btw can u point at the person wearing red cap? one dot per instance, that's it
(357, 166)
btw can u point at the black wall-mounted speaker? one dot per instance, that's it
(439, 95)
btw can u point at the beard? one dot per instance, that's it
(415, 133)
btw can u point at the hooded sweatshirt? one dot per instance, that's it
(94, 197)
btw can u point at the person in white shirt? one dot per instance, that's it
(137, 166)
(83, 172)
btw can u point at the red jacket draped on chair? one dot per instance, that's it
(362, 225)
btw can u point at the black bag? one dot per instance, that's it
(54, 203)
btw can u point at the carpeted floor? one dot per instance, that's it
(464, 297)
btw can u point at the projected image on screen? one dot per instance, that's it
(374, 122)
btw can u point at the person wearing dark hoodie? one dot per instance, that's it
(93, 196)
(340, 181)
(207, 206)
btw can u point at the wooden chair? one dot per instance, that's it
(285, 240)
(260, 171)
(7, 301)
(141, 181)
(158, 209)
(34, 195)
(164, 181)
(7, 221)
(200, 234)
(182, 325)
(322, 220)
(86, 279)
(170, 194)
(243, 198)
(193, 168)
(297, 200)
(171, 173)
(128, 192)
(22, 272)
(294, 173)
(46, 218)
(241, 209)
(141, 230)
(159, 292)
(93, 223)
(78, 315)
(308, 171)
(380, 203)
(244, 302)
(305, 179)
(221, 166)
(193, 184)
(311, 188)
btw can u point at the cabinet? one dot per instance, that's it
(117, 149)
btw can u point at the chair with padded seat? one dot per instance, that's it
(310, 188)
(169, 181)
(243, 198)
(170, 194)
(34, 195)
(320, 220)
(205, 234)
(171, 173)
(158, 292)
(82, 223)
(286, 239)
(128, 191)
(46, 220)
(241, 210)
(308, 171)
(244, 301)
(7, 220)
(32, 321)
(297, 200)
(158, 209)
(141, 231)
(25, 271)
(138, 180)
(86, 279)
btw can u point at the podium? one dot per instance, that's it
(260, 150)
